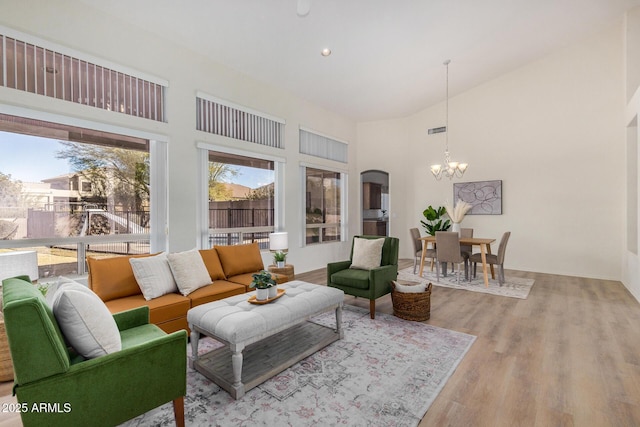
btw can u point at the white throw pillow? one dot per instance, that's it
(410, 289)
(153, 275)
(85, 321)
(189, 270)
(367, 253)
(53, 287)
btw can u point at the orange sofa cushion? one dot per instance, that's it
(240, 259)
(161, 309)
(112, 278)
(215, 291)
(212, 262)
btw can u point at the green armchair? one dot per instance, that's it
(56, 387)
(370, 284)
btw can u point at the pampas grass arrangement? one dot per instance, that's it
(458, 212)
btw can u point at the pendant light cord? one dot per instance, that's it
(446, 63)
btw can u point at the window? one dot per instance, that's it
(317, 145)
(32, 68)
(67, 192)
(323, 190)
(241, 199)
(226, 119)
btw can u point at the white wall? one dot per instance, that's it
(75, 25)
(553, 132)
(631, 271)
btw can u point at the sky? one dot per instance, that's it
(253, 177)
(32, 159)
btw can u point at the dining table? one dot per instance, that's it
(483, 243)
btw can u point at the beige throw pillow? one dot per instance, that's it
(189, 270)
(367, 253)
(410, 289)
(153, 275)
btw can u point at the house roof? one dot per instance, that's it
(387, 56)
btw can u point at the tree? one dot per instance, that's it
(10, 197)
(10, 191)
(116, 174)
(264, 192)
(219, 173)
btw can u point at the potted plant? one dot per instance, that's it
(262, 281)
(279, 258)
(434, 222)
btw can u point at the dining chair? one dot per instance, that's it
(496, 259)
(466, 250)
(417, 249)
(448, 244)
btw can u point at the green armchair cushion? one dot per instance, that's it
(352, 278)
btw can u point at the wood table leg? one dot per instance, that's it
(424, 252)
(483, 256)
(493, 273)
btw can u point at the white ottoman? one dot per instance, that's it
(265, 338)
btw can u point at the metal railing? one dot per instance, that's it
(78, 248)
(241, 235)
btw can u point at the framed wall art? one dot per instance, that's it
(485, 197)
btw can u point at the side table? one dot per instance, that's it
(287, 271)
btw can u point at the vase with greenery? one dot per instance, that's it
(262, 281)
(434, 221)
(279, 258)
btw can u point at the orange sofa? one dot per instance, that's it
(230, 269)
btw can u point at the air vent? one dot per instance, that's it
(437, 130)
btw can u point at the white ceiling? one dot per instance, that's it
(387, 54)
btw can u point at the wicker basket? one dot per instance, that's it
(6, 365)
(411, 306)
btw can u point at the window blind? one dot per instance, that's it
(324, 147)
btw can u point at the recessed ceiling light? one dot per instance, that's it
(325, 52)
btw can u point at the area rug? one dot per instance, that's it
(513, 287)
(385, 372)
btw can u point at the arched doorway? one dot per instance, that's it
(375, 202)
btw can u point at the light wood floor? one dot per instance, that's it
(568, 355)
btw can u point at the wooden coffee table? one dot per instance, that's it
(262, 340)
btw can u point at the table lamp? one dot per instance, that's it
(279, 244)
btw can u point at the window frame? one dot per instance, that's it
(203, 191)
(344, 177)
(158, 199)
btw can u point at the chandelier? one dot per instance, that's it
(450, 169)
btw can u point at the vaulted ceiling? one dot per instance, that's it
(387, 56)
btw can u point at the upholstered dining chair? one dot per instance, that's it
(366, 282)
(417, 249)
(466, 250)
(448, 250)
(493, 258)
